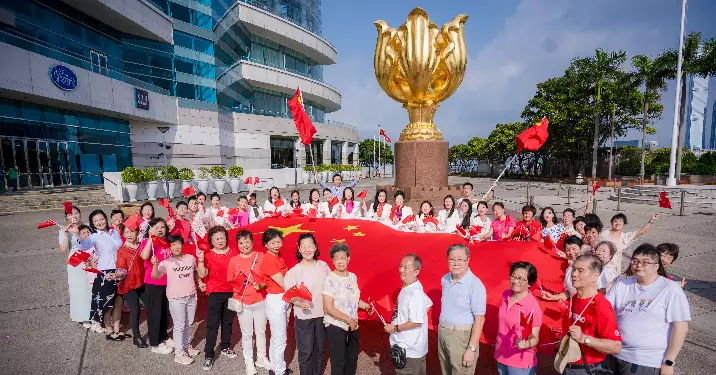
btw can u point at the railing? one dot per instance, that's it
(341, 124)
(316, 29)
(283, 67)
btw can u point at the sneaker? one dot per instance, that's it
(208, 364)
(250, 369)
(191, 351)
(87, 324)
(169, 342)
(229, 353)
(183, 359)
(263, 363)
(162, 349)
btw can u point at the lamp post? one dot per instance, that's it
(164, 129)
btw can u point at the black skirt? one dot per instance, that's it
(103, 293)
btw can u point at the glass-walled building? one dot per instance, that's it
(88, 82)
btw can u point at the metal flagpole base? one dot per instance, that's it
(671, 181)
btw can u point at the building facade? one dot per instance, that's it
(712, 143)
(86, 84)
(697, 91)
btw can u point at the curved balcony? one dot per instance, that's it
(268, 25)
(275, 79)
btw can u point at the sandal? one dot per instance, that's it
(114, 337)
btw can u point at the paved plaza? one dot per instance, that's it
(36, 335)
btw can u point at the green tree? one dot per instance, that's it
(652, 74)
(365, 153)
(699, 58)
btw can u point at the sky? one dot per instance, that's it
(512, 45)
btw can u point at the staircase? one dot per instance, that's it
(52, 198)
(644, 194)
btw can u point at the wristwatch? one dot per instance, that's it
(472, 349)
(669, 362)
(587, 340)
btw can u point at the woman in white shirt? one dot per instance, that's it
(294, 202)
(605, 250)
(314, 203)
(623, 239)
(274, 205)
(449, 217)
(325, 208)
(426, 219)
(347, 208)
(217, 214)
(380, 209)
(399, 211)
(255, 212)
(481, 220)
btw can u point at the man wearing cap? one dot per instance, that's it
(462, 314)
(590, 322)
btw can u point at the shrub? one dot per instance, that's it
(132, 175)
(186, 174)
(217, 171)
(308, 168)
(151, 174)
(203, 173)
(707, 164)
(173, 173)
(235, 171)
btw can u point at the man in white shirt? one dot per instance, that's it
(409, 326)
(653, 316)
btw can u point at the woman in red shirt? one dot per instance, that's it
(131, 285)
(214, 267)
(244, 275)
(528, 229)
(274, 268)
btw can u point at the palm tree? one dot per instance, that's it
(652, 73)
(699, 58)
(597, 72)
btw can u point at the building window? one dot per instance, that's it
(99, 62)
(282, 150)
(336, 152)
(317, 157)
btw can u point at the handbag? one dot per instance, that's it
(598, 371)
(397, 356)
(235, 304)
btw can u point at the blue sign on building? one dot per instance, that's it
(63, 77)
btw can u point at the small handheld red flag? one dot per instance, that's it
(526, 325)
(68, 207)
(408, 219)
(47, 224)
(203, 242)
(298, 211)
(312, 213)
(430, 219)
(533, 138)
(165, 203)
(256, 180)
(362, 195)
(279, 202)
(159, 242)
(233, 211)
(133, 222)
(290, 294)
(78, 257)
(595, 187)
(249, 181)
(474, 230)
(93, 270)
(664, 202)
(560, 242)
(257, 278)
(220, 213)
(240, 281)
(461, 230)
(333, 202)
(304, 293)
(188, 191)
(303, 123)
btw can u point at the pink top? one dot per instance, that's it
(508, 330)
(242, 219)
(501, 226)
(180, 275)
(161, 254)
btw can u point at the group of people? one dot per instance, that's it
(637, 317)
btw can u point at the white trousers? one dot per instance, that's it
(277, 313)
(253, 319)
(182, 310)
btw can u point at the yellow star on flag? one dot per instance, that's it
(358, 234)
(342, 240)
(292, 229)
(351, 227)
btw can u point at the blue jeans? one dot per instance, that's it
(508, 370)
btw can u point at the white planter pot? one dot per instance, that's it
(132, 191)
(152, 190)
(234, 183)
(579, 179)
(203, 185)
(172, 188)
(185, 184)
(345, 175)
(329, 176)
(220, 184)
(307, 178)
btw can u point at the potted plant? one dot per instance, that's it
(218, 173)
(173, 177)
(332, 169)
(203, 181)
(186, 175)
(234, 182)
(151, 175)
(131, 178)
(322, 172)
(307, 174)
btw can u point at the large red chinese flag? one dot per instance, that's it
(533, 138)
(303, 123)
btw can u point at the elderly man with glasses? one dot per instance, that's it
(462, 315)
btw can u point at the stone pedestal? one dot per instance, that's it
(421, 172)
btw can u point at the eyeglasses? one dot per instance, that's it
(518, 279)
(457, 261)
(637, 262)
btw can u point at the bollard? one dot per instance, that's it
(528, 193)
(559, 189)
(569, 196)
(681, 209)
(619, 199)
(532, 200)
(594, 207)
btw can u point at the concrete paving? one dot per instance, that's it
(36, 335)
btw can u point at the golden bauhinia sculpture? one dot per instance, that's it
(420, 65)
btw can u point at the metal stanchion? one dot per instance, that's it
(619, 199)
(528, 193)
(559, 189)
(594, 207)
(681, 209)
(531, 200)
(569, 196)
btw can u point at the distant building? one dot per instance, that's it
(712, 144)
(697, 95)
(633, 143)
(652, 145)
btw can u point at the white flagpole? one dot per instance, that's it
(671, 181)
(494, 184)
(373, 169)
(379, 151)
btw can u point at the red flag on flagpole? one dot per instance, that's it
(664, 202)
(303, 123)
(385, 136)
(68, 207)
(533, 138)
